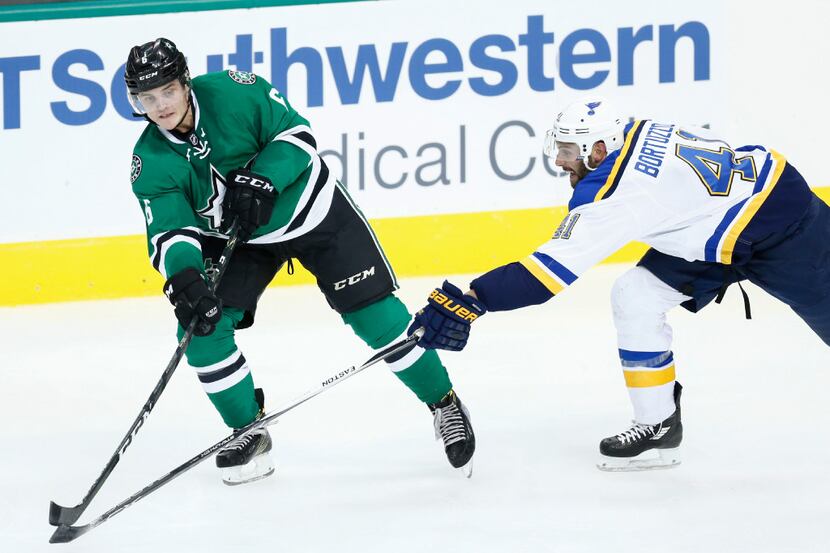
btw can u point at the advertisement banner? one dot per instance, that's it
(422, 108)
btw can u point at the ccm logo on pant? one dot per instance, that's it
(354, 279)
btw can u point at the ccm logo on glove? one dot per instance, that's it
(191, 297)
(252, 181)
(249, 199)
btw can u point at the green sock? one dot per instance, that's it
(236, 403)
(427, 377)
(383, 321)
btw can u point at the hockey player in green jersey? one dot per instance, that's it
(228, 146)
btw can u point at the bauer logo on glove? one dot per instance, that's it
(437, 297)
(447, 317)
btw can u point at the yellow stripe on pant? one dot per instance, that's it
(648, 379)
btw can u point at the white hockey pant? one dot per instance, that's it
(640, 302)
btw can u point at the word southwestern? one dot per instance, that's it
(435, 68)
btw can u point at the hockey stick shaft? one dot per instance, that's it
(68, 515)
(65, 533)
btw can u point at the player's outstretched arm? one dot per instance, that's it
(447, 317)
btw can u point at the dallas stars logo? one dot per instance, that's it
(242, 77)
(213, 210)
(135, 168)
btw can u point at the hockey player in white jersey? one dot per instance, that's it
(713, 215)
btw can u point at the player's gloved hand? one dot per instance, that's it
(190, 295)
(446, 318)
(249, 198)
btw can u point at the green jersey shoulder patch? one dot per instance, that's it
(135, 168)
(242, 77)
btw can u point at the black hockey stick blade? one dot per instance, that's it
(59, 514)
(65, 533)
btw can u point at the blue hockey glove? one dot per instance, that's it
(446, 318)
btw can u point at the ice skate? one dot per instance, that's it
(644, 446)
(452, 425)
(247, 459)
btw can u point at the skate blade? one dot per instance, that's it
(666, 459)
(261, 466)
(467, 469)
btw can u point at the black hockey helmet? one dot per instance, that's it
(155, 64)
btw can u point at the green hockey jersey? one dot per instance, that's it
(240, 121)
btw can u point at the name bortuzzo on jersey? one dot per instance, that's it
(683, 190)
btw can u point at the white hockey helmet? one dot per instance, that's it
(581, 124)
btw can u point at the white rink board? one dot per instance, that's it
(357, 467)
(765, 78)
(72, 148)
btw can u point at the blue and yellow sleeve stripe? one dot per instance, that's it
(548, 271)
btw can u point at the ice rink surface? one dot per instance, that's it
(357, 467)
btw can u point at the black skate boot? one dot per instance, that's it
(247, 459)
(622, 453)
(452, 424)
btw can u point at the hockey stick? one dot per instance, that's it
(68, 515)
(66, 533)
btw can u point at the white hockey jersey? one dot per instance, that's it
(682, 191)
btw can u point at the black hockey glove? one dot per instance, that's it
(190, 295)
(446, 318)
(250, 198)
